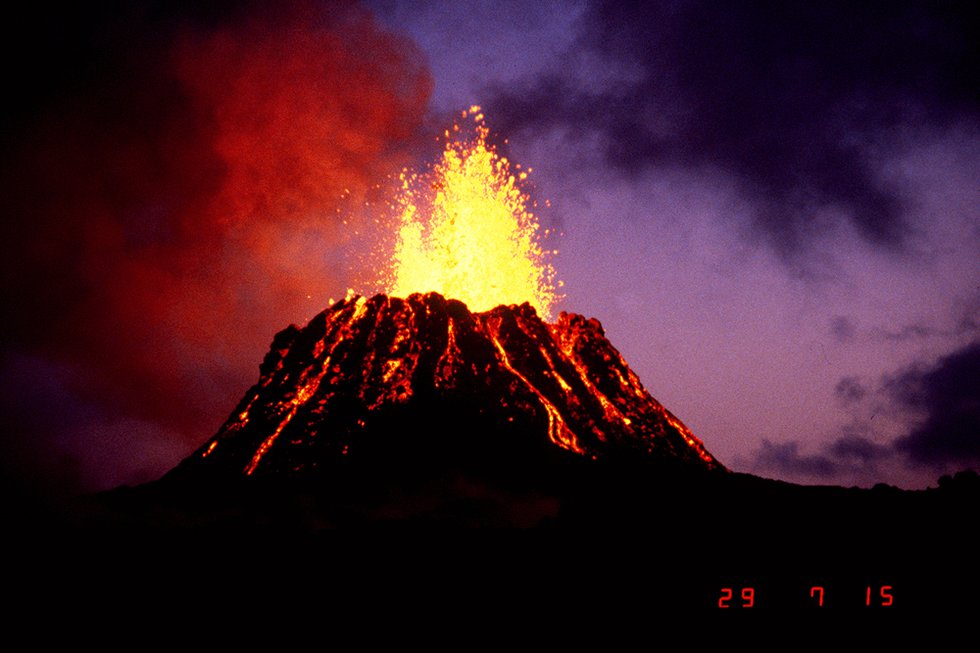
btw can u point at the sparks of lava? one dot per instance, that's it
(466, 230)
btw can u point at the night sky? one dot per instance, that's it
(772, 208)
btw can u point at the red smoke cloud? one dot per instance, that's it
(174, 202)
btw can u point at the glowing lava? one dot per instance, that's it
(466, 231)
(426, 375)
(459, 354)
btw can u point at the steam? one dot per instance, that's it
(175, 203)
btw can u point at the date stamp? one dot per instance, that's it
(817, 596)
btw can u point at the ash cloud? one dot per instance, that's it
(858, 450)
(785, 457)
(948, 395)
(939, 402)
(965, 325)
(842, 328)
(851, 455)
(171, 176)
(787, 99)
(849, 390)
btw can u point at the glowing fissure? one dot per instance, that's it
(446, 365)
(566, 387)
(240, 423)
(466, 231)
(302, 395)
(362, 357)
(632, 380)
(610, 410)
(397, 370)
(689, 438)
(558, 431)
(308, 388)
(567, 338)
(269, 441)
(551, 364)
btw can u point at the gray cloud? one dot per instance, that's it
(940, 402)
(858, 450)
(843, 328)
(948, 394)
(853, 453)
(787, 99)
(849, 390)
(785, 458)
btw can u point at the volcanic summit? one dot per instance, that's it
(417, 378)
(405, 379)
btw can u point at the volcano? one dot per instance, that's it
(415, 403)
(386, 427)
(424, 378)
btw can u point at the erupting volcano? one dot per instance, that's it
(456, 359)
(455, 399)
(422, 371)
(475, 237)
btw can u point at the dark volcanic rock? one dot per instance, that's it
(417, 382)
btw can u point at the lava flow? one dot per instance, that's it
(400, 370)
(456, 359)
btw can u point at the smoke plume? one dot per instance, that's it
(173, 181)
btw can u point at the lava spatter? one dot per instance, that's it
(466, 229)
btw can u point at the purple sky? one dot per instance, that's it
(771, 207)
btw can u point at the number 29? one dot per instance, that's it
(747, 594)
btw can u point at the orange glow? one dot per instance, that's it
(692, 441)
(310, 384)
(466, 231)
(446, 366)
(611, 411)
(563, 381)
(558, 430)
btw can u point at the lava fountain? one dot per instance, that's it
(459, 358)
(466, 229)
